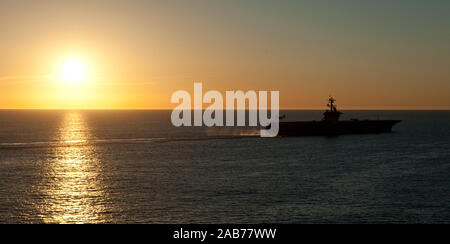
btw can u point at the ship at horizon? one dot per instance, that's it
(330, 125)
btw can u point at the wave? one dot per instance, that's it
(70, 143)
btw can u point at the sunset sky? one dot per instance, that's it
(134, 54)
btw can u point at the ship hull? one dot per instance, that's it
(326, 128)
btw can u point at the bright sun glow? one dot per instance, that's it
(73, 71)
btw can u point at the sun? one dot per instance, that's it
(73, 71)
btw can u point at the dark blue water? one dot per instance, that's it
(134, 167)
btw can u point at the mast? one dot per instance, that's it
(331, 105)
(331, 115)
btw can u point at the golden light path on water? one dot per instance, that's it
(73, 191)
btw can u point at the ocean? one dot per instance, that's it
(135, 167)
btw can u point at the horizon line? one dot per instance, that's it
(169, 109)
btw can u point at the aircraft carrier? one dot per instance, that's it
(330, 125)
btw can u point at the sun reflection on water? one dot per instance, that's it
(73, 191)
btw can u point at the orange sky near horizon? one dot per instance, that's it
(137, 53)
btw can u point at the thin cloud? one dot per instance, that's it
(23, 77)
